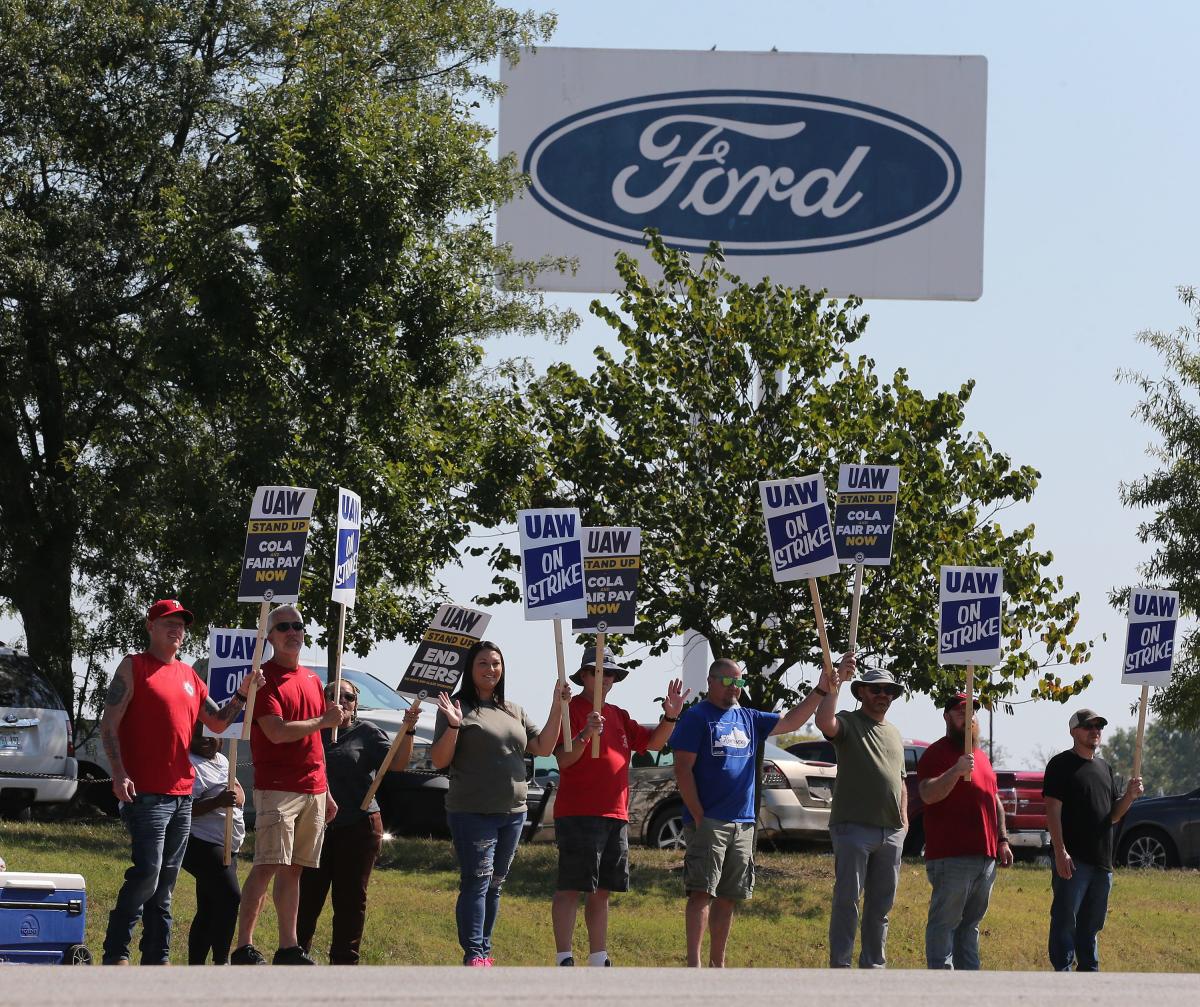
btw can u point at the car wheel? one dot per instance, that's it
(1144, 848)
(666, 828)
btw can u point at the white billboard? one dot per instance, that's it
(860, 174)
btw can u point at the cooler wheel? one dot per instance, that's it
(77, 954)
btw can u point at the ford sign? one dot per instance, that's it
(858, 174)
(761, 172)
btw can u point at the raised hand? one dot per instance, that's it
(452, 711)
(562, 693)
(676, 697)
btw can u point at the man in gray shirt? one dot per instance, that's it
(869, 816)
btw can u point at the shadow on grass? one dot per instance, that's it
(101, 836)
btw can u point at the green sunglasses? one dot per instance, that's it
(730, 680)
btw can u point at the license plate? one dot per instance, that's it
(10, 740)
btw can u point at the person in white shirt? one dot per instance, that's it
(218, 894)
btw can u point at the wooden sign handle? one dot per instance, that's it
(562, 680)
(1141, 731)
(969, 717)
(598, 689)
(384, 766)
(854, 606)
(233, 757)
(815, 593)
(264, 613)
(337, 667)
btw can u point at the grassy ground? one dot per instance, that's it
(1151, 926)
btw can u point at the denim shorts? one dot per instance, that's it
(593, 853)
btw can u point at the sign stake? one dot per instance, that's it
(337, 667)
(598, 686)
(388, 759)
(233, 757)
(263, 613)
(969, 715)
(1141, 731)
(562, 680)
(854, 606)
(815, 592)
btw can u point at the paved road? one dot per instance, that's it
(34, 986)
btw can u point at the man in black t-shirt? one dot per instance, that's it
(1082, 806)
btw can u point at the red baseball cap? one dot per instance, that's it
(957, 700)
(169, 606)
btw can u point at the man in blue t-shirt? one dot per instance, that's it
(715, 743)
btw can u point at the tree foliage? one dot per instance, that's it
(1170, 407)
(247, 242)
(722, 384)
(1170, 758)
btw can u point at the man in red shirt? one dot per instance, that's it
(150, 711)
(591, 810)
(291, 799)
(965, 836)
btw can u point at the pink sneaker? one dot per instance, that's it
(480, 963)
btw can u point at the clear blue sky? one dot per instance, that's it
(1091, 220)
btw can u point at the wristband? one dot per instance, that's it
(670, 720)
(819, 691)
(240, 698)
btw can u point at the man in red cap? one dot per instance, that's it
(150, 711)
(965, 837)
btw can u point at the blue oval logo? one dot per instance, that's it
(763, 172)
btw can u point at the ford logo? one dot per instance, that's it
(763, 172)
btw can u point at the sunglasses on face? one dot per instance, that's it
(728, 680)
(878, 690)
(347, 697)
(1092, 726)
(608, 672)
(283, 627)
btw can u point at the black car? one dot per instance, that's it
(1161, 832)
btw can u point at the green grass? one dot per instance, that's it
(1151, 925)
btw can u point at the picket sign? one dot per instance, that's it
(347, 542)
(1149, 650)
(864, 523)
(260, 638)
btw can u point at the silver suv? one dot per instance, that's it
(36, 756)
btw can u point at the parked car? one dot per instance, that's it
(822, 752)
(1024, 812)
(1161, 832)
(37, 764)
(795, 798)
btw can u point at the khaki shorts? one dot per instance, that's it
(719, 859)
(289, 828)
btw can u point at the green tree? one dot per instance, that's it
(247, 242)
(1172, 493)
(1170, 758)
(722, 384)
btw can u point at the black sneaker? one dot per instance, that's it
(292, 956)
(567, 961)
(247, 954)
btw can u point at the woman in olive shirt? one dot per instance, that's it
(483, 739)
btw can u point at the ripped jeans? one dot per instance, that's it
(485, 845)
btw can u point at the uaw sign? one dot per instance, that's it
(552, 563)
(969, 615)
(864, 521)
(611, 563)
(230, 659)
(349, 538)
(1150, 640)
(438, 663)
(860, 174)
(276, 535)
(799, 537)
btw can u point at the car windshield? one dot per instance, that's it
(776, 754)
(373, 694)
(22, 686)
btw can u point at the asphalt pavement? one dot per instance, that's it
(33, 986)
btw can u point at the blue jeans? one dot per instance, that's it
(962, 887)
(486, 845)
(158, 826)
(866, 862)
(1077, 916)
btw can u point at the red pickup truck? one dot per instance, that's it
(1024, 812)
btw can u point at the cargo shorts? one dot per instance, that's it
(719, 859)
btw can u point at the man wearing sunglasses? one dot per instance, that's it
(965, 838)
(715, 744)
(1082, 806)
(291, 796)
(868, 819)
(591, 809)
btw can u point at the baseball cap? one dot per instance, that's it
(957, 700)
(1081, 717)
(169, 606)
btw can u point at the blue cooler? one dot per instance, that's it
(42, 918)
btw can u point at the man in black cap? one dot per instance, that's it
(869, 816)
(591, 809)
(965, 837)
(1082, 806)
